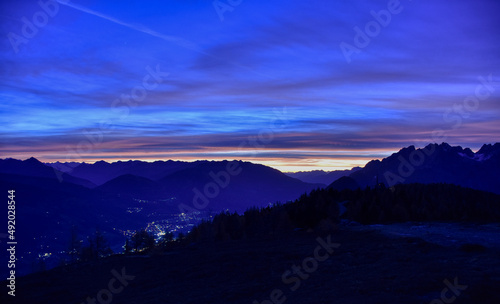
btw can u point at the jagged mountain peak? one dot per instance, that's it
(32, 160)
(436, 163)
(489, 149)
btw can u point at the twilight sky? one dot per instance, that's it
(298, 85)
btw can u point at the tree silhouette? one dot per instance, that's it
(142, 241)
(75, 245)
(98, 247)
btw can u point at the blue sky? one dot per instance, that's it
(270, 83)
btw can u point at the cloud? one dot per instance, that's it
(225, 79)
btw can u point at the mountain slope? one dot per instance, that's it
(234, 185)
(345, 182)
(132, 186)
(320, 176)
(47, 209)
(436, 164)
(33, 167)
(102, 172)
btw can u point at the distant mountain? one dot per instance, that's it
(51, 201)
(132, 186)
(436, 163)
(234, 185)
(33, 167)
(320, 176)
(123, 196)
(101, 171)
(225, 185)
(213, 185)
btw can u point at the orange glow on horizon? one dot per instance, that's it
(339, 160)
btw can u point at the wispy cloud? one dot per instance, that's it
(226, 78)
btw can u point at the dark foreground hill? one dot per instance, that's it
(299, 253)
(324, 209)
(360, 267)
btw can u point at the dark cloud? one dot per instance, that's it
(65, 81)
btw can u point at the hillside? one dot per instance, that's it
(320, 176)
(51, 206)
(234, 185)
(435, 164)
(34, 168)
(100, 172)
(305, 251)
(366, 267)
